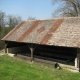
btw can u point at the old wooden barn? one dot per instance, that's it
(52, 40)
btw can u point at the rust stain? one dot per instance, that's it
(13, 31)
(46, 38)
(56, 25)
(34, 25)
(53, 29)
(40, 30)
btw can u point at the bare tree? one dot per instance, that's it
(2, 19)
(70, 8)
(31, 18)
(13, 20)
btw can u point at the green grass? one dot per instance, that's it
(12, 69)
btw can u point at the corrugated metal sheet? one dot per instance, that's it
(20, 31)
(35, 37)
(53, 29)
(13, 31)
(34, 25)
(68, 34)
(58, 32)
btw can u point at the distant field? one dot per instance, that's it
(12, 69)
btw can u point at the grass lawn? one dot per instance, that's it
(12, 69)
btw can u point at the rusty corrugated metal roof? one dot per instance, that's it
(53, 29)
(34, 25)
(58, 32)
(13, 31)
(41, 30)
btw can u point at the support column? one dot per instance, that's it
(32, 56)
(78, 59)
(6, 49)
(32, 47)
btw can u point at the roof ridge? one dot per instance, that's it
(52, 18)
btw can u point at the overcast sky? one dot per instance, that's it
(40, 9)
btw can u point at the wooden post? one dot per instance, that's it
(32, 57)
(78, 59)
(5, 48)
(32, 48)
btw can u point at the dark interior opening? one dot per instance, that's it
(56, 53)
(52, 53)
(11, 44)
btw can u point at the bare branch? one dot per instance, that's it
(70, 7)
